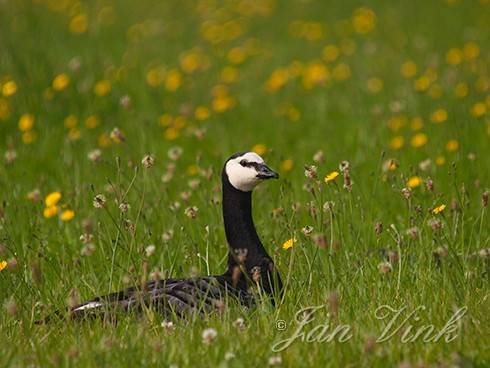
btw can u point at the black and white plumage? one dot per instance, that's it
(249, 265)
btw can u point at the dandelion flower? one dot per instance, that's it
(439, 116)
(408, 69)
(3, 265)
(452, 145)
(438, 209)
(26, 122)
(414, 181)
(202, 113)
(60, 82)
(78, 24)
(418, 140)
(287, 165)
(440, 160)
(397, 142)
(259, 149)
(50, 211)
(67, 215)
(209, 335)
(102, 87)
(52, 199)
(331, 177)
(289, 243)
(479, 109)
(9, 88)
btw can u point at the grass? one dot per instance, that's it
(267, 83)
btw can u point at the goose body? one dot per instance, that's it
(249, 265)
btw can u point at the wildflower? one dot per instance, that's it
(397, 142)
(124, 207)
(384, 267)
(52, 199)
(50, 211)
(3, 265)
(34, 195)
(173, 80)
(418, 140)
(168, 325)
(95, 155)
(60, 82)
(374, 85)
(440, 160)
(407, 193)
(287, 165)
(408, 69)
(202, 113)
(9, 88)
(425, 165)
(209, 335)
(99, 201)
(331, 177)
(91, 122)
(125, 102)
(148, 161)
(102, 88)
(87, 250)
(452, 145)
(117, 136)
(259, 149)
(67, 215)
(454, 56)
(174, 153)
(275, 360)
(430, 185)
(78, 24)
(26, 122)
(289, 243)
(439, 116)
(307, 230)
(191, 212)
(390, 165)
(150, 250)
(310, 172)
(363, 20)
(438, 209)
(319, 157)
(414, 181)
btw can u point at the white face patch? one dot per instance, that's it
(243, 178)
(90, 305)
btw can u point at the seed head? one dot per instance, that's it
(209, 335)
(117, 136)
(191, 212)
(484, 198)
(99, 201)
(319, 157)
(124, 207)
(148, 161)
(95, 155)
(378, 228)
(311, 172)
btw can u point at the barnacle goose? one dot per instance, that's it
(250, 269)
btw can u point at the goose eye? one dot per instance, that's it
(243, 163)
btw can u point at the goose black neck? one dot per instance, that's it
(239, 227)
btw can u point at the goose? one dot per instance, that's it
(250, 271)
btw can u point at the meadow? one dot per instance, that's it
(376, 115)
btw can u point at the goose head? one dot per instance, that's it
(246, 170)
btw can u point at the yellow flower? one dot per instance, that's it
(52, 199)
(202, 113)
(103, 140)
(363, 20)
(461, 90)
(397, 142)
(454, 56)
(289, 243)
(331, 177)
(316, 73)
(192, 170)
(236, 55)
(416, 123)
(439, 116)
(60, 82)
(9, 88)
(229, 74)
(70, 121)
(374, 85)
(67, 215)
(471, 50)
(330, 53)
(3, 265)
(29, 137)
(91, 122)
(287, 165)
(154, 76)
(102, 87)
(414, 181)
(479, 109)
(408, 69)
(78, 24)
(171, 134)
(418, 140)
(50, 211)
(438, 209)
(277, 79)
(173, 80)
(341, 71)
(421, 84)
(26, 122)
(259, 149)
(440, 160)
(4, 109)
(452, 145)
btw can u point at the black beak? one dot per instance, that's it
(264, 172)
